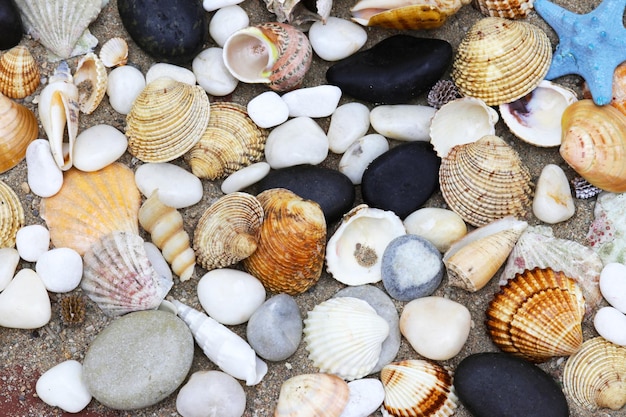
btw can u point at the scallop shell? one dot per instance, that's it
(166, 120)
(114, 52)
(415, 388)
(91, 80)
(537, 315)
(11, 216)
(228, 231)
(344, 336)
(91, 205)
(403, 14)
(510, 9)
(290, 254)
(18, 128)
(230, 142)
(595, 376)
(501, 60)
(118, 276)
(320, 395)
(19, 73)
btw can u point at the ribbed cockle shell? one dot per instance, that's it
(11, 216)
(18, 128)
(19, 73)
(510, 9)
(319, 395)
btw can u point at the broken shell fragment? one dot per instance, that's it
(300, 13)
(19, 73)
(405, 14)
(320, 395)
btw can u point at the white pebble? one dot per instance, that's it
(408, 122)
(63, 386)
(44, 177)
(211, 73)
(319, 101)
(98, 147)
(175, 72)
(124, 85)
(610, 323)
(60, 269)
(227, 21)
(348, 122)
(24, 303)
(177, 187)
(360, 154)
(245, 177)
(211, 5)
(9, 258)
(336, 38)
(613, 285)
(297, 141)
(268, 109)
(32, 241)
(553, 201)
(366, 395)
(211, 394)
(439, 226)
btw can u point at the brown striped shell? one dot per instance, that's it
(510, 9)
(415, 14)
(319, 395)
(19, 73)
(18, 128)
(11, 216)
(91, 80)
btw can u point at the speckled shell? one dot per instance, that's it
(18, 128)
(11, 216)
(416, 14)
(290, 254)
(485, 180)
(510, 9)
(91, 80)
(594, 144)
(91, 205)
(228, 231)
(320, 395)
(415, 388)
(118, 276)
(166, 120)
(501, 60)
(537, 315)
(114, 52)
(230, 142)
(19, 73)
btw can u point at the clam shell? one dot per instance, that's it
(537, 315)
(230, 142)
(11, 216)
(19, 73)
(501, 60)
(91, 80)
(485, 180)
(18, 128)
(402, 14)
(416, 388)
(114, 52)
(320, 395)
(166, 120)
(290, 254)
(510, 9)
(228, 231)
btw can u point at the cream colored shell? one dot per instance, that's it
(405, 14)
(19, 73)
(510, 9)
(114, 52)
(91, 80)
(319, 395)
(18, 128)
(11, 216)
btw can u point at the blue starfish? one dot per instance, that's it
(591, 45)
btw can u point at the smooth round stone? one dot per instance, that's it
(395, 70)
(553, 201)
(613, 285)
(175, 72)
(348, 123)
(63, 386)
(407, 122)
(436, 327)
(332, 190)
(24, 303)
(32, 241)
(297, 141)
(45, 178)
(366, 395)
(230, 296)
(11, 24)
(319, 101)
(168, 30)
(360, 154)
(60, 269)
(177, 187)
(402, 179)
(124, 85)
(211, 394)
(411, 267)
(212, 5)
(138, 359)
(227, 21)
(336, 38)
(98, 147)
(268, 109)
(610, 323)
(9, 258)
(498, 384)
(275, 329)
(211, 73)
(245, 177)
(439, 226)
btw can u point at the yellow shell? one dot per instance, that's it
(228, 231)
(510, 9)
(18, 128)
(231, 141)
(415, 14)
(166, 120)
(19, 73)
(537, 315)
(11, 216)
(114, 52)
(91, 80)
(319, 395)
(501, 60)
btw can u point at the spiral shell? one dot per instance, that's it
(510, 9)
(11, 216)
(114, 52)
(320, 395)
(91, 80)
(399, 14)
(18, 128)
(19, 73)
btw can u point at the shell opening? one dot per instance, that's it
(250, 55)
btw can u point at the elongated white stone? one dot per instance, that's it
(63, 386)
(24, 303)
(98, 147)
(211, 73)
(408, 122)
(553, 201)
(227, 21)
(245, 177)
(336, 38)
(175, 72)
(348, 122)
(360, 154)
(45, 178)
(177, 187)
(366, 395)
(319, 101)
(297, 141)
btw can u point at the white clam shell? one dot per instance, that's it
(407, 122)
(268, 109)
(226, 21)
(98, 146)
(124, 85)
(63, 386)
(177, 187)
(360, 154)
(349, 122)
(175, 72)
(45, 178)
(297, 141)
(211, 73)
(319, 101)
(336, 38)
(441, 227)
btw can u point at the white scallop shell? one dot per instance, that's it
(114, 52)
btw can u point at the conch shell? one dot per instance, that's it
(19, 73)
(405, 14)
(18, 128)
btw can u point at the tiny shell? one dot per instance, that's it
(298, 12)
(510, 9)
(11, 216)
(412, 14)
(18, 128)
(114, 52)
(91, 79)
(19, 73)
(320, 395)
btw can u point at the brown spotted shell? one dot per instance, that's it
(91, 80)
(319, 395)
(19, 73)
(11, 216)
(412, 15)
(510, 9)
(18, 128)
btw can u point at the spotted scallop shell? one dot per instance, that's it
(11, 216)
(114, 52)
(91, 80)
(18, 128)
(320, 395)
(412, 14)
(19, 73)
(510, 9)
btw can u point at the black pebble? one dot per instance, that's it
(11, 29)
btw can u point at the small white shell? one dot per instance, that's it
(114, 52)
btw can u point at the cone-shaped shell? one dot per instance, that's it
(501, 60)
(118, 276)
(401, 14)
(510, 9)
(230, 142)
(308, 395)
(537, 315)
(290, 254)
(416, 388)
(91, 205)
(166, 120)
(114, 52)
(11, 216)
(91, 80)
(228, 231)
(485, 180)
(18, 128)
(594, 144)
(19, 73)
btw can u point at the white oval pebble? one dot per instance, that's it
(124, 85)
(177, 187)
(60, 269)
(175, 72)
(227, 21)
(157, 260)
(553, 201)
(297, 141)
(63, 386)
(348, 122)
(336, 38)
(211, 5)
(24, 303)
(268, 109)
(439, 226)
(408, 122)
(211, 73)
(9, 258)
(245, 177)
(319, 101)
(366, 395)
(32, 241)
(613, 285)
(610, 323)
(211, 394)
(44, 177)
(360, 154)
(98, 147)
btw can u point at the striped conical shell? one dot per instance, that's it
(11, 216)
(510, 9)
(19, 73)
(18, 128)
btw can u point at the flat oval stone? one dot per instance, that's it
(441, 227)
(613, 285)
(493, 384)
(331, 189)
(11, 24)
(177, 187)
(24, 303)
(268, 109)
(98, 146)
(610, 323)
(553, 201)
(402, 179)
(366, 395)
(348, 123)
(32, 241)
(226, 21)
(408, 122)
(297, 141)
(360, 155)
(45, 178)
(318, 101)
(9, 258)
(211, 73)
(336, 38)
(395, 70)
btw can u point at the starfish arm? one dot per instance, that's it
(563, 63)
(557, 17)
(613, 10)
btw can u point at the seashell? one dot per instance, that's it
(19, 73)
(485, 180)
(501, 60)
(403, 14)
(290, 254)
(165, 225)
(91, 80)
(73, 309)
(320, 395)
(300, 13)
(594, 144)
(594, 376)
(228, 231)
(475, 258)
(230, 142)
(417, 387)
(114, 52)
(91, 205)
(584, 190)
(344, 336)
(443, 92)
(276, 54)
(18, 128)
(537, 315)
(11, 216)
(510, 9)
(355, 251)
(606, 234)
(166, 120)
(118, 276)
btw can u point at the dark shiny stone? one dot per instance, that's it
(331, 189)
(394, 71)
(402, 179)
(11, 29)
(169, 30)
(498, 384)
